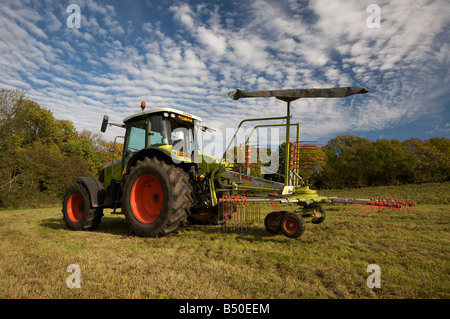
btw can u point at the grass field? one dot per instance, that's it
(329, 260)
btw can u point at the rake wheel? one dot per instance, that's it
(292, 225)
(272, 222)
(322, 215)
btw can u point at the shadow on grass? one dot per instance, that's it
(108, 225)
(250, 234)
(117, 226)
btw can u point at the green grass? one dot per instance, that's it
(436, 193)
(328, 261)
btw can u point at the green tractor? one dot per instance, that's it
(163, 180)
(157, 184)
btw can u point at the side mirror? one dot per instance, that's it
(104, 123)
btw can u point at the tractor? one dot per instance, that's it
(157, 184)
(163, 180)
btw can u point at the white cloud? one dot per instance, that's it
(215, 42)
(183, 13)
(440, 130)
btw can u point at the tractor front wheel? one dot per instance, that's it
(156, 198)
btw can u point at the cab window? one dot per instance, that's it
(135, 140)
(159, 132)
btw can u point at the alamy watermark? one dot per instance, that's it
(374, 280)
(244, 147)
(374, 19)
(74, 19)
(74, 280)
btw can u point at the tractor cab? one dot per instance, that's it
(169, 129)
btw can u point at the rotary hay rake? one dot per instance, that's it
(239, 212)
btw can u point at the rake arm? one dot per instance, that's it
(373, 205)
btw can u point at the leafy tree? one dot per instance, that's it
(33, 123)
(433, 159)
(312, 160)
(346, 163)
(9, 100)
(102, 147)
(66, 131)
(83, 149)
(39, 155)
(393, 164)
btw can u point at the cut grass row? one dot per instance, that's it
(433, 193)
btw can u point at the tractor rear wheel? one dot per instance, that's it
(77, 211)
(156, 198)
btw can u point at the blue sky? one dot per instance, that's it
(189, 54)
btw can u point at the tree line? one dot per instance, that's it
(40, 155)
(348, 161)
(358, 162)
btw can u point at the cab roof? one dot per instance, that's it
(161, 110)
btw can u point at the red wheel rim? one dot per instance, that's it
(74, 207)
(146, 198)
(290, 225)
(273, 223)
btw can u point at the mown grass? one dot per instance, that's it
(328, 261)
(433, 193)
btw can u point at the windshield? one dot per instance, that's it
(161, 130)
(182, 136)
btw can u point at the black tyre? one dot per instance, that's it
(272, 222)
(78, 213)
(292, 225)
(156, 198)
(318, 215)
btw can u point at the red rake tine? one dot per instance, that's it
(350, 208)
(371, 210)
(377, 209)
(363, 207)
